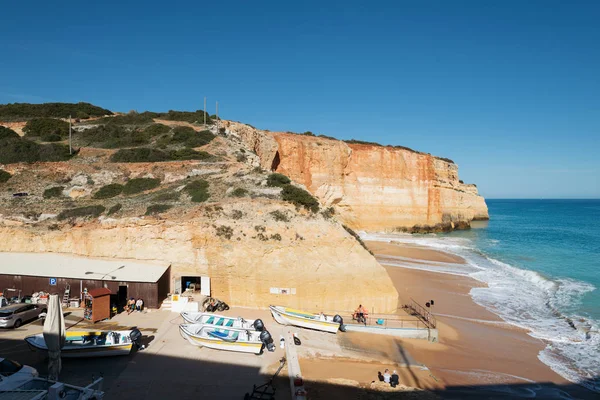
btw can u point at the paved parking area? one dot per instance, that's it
(169, 366)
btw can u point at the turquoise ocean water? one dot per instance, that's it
(541, 262)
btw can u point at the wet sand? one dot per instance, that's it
(475, 347)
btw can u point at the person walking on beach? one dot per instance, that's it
(387, 376)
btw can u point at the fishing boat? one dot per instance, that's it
(80, 344)
(222, 321)
(319, 322)
(232, 339)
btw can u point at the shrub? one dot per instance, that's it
(241, 158)
(276, 236)
(156, 129)
(7, 133)
(277, 180)
(4, 176)
(187, 116)
(190, 138)
(14, 150)
(55, 191)
(239, 192)
(138, 185)
(167, 196)
(237, 214)
(112, 137)
(46, 126)
(114, 209)
(131, 118)
(154, 155)
(445, 159)
(108, 191)
(351, 232)
(157, 209)
(198, 190)
(21, 111)
(51, 138)
(299, 197)
(328, 213)
(225, 231)
(279, 216)
(88, 211)
(308, 133)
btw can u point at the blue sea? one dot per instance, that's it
(541, 262)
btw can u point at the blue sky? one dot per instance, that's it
(510, 90)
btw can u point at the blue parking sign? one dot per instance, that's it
(52, 281)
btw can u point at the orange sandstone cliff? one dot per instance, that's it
(371, 187)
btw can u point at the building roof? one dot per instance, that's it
(99, 292)
(56, 265)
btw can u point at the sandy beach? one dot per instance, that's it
(475, 347)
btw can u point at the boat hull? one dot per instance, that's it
(76, 350)
(290, 319)
(220, 344)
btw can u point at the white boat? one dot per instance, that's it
(319, 322)
(79, 344)
(222, 321)
(232, 339)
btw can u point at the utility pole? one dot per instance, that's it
(217, 117)
(205, 111)
(70, 147)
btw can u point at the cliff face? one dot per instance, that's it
(371, 187)
(316, 257)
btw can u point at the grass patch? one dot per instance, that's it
(88, 211)
(351, 232)
(198, 190)
(239, 192)
(139, 185)
(4, 176)
(156, 129)
(24, 111)
(55, 191)
(114, 209)
(46, 126)
(278, 180)
(157, 209)
(112, 137)
(51, 138)
(299, 197)
(108, 191)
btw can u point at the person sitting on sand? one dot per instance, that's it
(387, 376)
(379, 376)
(395, 379)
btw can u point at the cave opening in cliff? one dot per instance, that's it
(276, 161)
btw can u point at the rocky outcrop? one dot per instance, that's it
(372, 187)
(322, 266)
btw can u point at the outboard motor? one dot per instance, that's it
(258, 325)
(338, 318)
(136, 337)
(267, 340)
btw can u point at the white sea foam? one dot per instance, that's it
(523, 298)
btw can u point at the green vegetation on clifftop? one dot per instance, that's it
(25, 111)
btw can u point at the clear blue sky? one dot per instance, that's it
(510, 90)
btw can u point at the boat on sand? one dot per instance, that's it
(231, 339)
(79, 344)
(222, 321)
(319, 322)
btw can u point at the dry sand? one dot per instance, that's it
(475, 347)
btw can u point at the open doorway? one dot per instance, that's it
(121, 297)
(191, 283)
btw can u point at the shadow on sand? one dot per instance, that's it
(145, 375)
